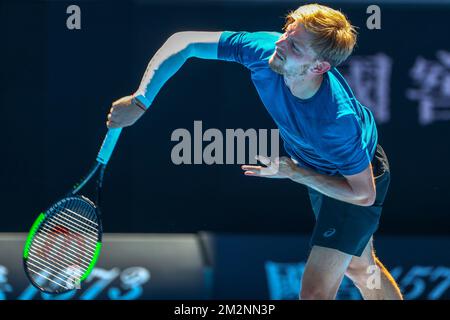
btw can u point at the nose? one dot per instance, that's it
(281, 42)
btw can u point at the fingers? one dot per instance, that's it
(251, 170)
(123, 113)
(117, 103)
(113, 119)
(270, 168)
(258, 171)
(112, 114)
(249, 167)
(123, 100)
(111, 124)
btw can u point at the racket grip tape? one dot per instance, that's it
(108, 145)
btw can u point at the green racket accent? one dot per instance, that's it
(98, 247)
(31, 234)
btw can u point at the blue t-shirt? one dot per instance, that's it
(331, 132)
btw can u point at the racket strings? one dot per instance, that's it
(49, 235)
(61, 268)
(59, 263)
(46, 239)
(43, 275)
(64, 272)
(72, 226)
(71, 272)
(64, 245)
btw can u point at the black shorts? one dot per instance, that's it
(345, 226)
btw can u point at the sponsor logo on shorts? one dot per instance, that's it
(330, 232)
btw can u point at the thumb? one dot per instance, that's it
(264, 160)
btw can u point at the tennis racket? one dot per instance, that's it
(64, 242)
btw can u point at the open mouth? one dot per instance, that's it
(279, 56)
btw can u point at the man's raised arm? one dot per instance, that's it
(163, 65)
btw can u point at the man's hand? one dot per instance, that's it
(282, 167)
(124, 112)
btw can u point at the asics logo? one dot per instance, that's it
(329, 232)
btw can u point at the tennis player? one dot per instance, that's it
(330, 136)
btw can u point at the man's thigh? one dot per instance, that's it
(324, 271)
(366, 259)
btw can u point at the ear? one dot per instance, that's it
(321, 67)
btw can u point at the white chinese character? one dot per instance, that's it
(433, 93)
(370, 77)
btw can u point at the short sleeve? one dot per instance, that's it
(343, 146)
(247, 48)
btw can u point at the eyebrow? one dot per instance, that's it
(298, 46)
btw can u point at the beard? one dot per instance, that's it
(277, 65)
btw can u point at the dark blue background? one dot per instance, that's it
(57, 86)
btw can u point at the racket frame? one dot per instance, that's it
(73, 193)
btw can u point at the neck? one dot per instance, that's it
(304, 87)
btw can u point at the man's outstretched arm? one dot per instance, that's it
(163, 65)
(358, 189)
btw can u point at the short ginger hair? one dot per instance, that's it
(333, 36)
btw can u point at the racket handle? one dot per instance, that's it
(108, 145)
